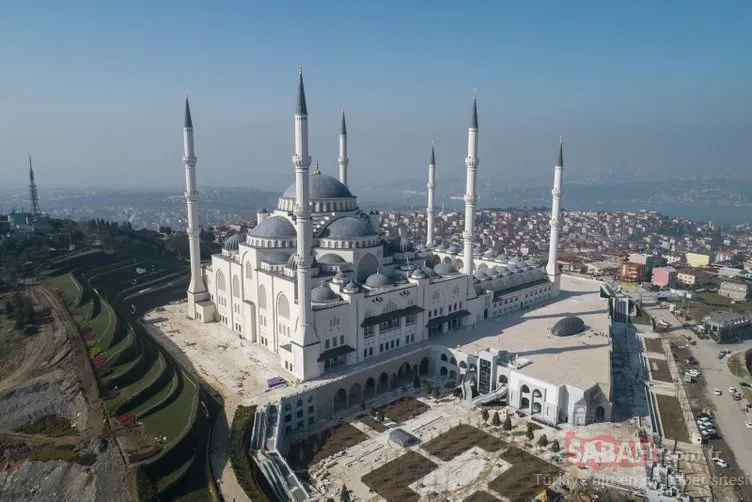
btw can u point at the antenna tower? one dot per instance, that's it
(33, 193)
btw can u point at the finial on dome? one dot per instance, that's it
(317, 171)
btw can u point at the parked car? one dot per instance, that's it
(737, 396)
(717, 392)
(732, 390)
(720, 462)
(748, 424)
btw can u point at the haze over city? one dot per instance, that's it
(94, 91)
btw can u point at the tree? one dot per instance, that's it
(507, 424)
(363, 404)
(380, 415)
(416, 382)
(529, 434)
(496, 421)
(436, 394)
(555, 446)
(344, 494)
(543, 441)
(484, 414)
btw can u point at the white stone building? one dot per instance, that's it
(316, 284)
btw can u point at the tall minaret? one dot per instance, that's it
(430, 211)
(196, 288)
(305, 352)
(33, 193)
(471, 195)
(343, 160)
(552, 269)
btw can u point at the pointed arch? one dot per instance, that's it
(262, 297)
(248, 270)
(367, 265)
(221, 286)
(235, 286)
(283, 306)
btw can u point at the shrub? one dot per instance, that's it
(543, 441)
(496, 419)
(507, 424)
(555, 446)
(242, 465)
(145, 489)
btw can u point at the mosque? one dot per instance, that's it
(315, 283)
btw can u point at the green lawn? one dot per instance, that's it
(174, 420)
(159, 397)
(103, 326)
(69, 288)
(135, 388)
(704, 303)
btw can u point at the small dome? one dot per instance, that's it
(569, 325)
(488, 255)
(477, 252)
(351, 288)
(263, 211)
(512, 267)
(493, 273)
(429, 272)
(348, 227)
(378, 280)
(276, 257)
(455, 249)
(502, 258)
(322, 294)
(421, 248)
(274, 227)
(480, 275)
(418, 274)
(444, 269)
(331, 259)
(321, 186)
(232, 243)
(341, 278)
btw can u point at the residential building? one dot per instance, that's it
(632, 272)
(736, 289)
(664, 277)
(691, 278)
(696, 260)
(727, 326)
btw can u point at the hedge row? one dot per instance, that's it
(243, 466)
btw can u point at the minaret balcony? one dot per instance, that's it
(189, 160)
(301, 162)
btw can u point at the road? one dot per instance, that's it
(729, 415)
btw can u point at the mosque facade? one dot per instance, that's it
(316, 283)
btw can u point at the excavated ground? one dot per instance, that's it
(49, 380)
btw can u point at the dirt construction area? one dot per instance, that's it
(659, 370)
(460, 439)
(672, 419)
(54, 444)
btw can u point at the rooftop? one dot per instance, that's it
(579, 360)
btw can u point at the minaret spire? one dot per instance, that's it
(305, 343)
(343, 160)
(552, 268)
(471, 194)
(196, 288)
(430, 211)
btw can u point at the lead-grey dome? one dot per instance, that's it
(348, 227)
(378, 280)
(331, 259)
(569, 325)
(322, 294)
(351, 288)
(276, 257)
(321, 187)
(444, 269)
(232, 243)
(274, 227)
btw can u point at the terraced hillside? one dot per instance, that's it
(163, 415)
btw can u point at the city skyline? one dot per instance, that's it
(641, 88)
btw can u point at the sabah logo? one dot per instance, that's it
(606, 452)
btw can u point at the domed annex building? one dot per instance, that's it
(317, 285)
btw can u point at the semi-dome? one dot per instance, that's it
(322, 294)
(444, 269)
(321, 187)
(276, 257)
(274, 227)
(348, 227)
(291, 262)
(331, 259)
(569, 325)
(502, 258)
(351, 288)
(378, 280)
(401, 245)
(232, 243)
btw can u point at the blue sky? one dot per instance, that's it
(93, 89)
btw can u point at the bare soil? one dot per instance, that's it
(527, 477)
(672, 418)
(481, 496)
(659, 370)
(404, 409)
(460, 439)
(317, 447)
(654, 345)
(392, 479)
(373, 424)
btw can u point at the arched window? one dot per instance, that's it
(283, 306)
(235, 286)
(221, 286)
(262, 297)
(367, 265)
(248, 270)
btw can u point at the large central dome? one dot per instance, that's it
(321, 187)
